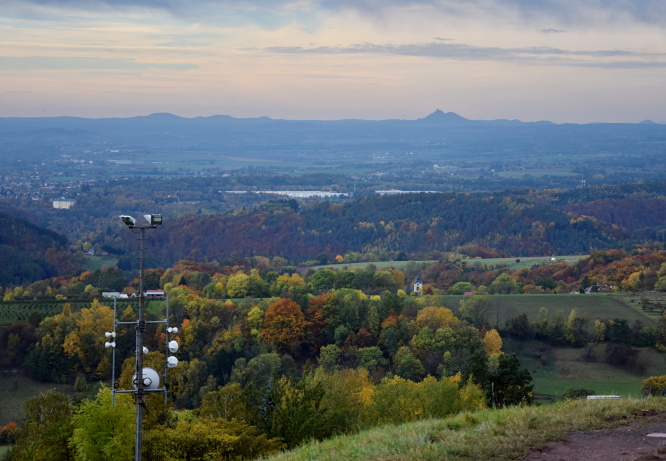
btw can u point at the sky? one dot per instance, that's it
(577, 61)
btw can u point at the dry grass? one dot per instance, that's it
(506, 434)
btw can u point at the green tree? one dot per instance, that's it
(510, 383)
(323, 280)
(577, 328)
(504, 284)
(258, 371)
(329, 356)
(186, 382)
(226, 402)
(103, 432)
(407, 366)
(370, 357)
(46, 430)
(460, 288)
(476, 309)
(298, 414)
(520, 327)
(237, 285)
(208, 440)
(476, 370)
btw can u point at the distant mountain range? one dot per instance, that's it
(438, 116)
(441, 135)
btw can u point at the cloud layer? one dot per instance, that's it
(562, 60)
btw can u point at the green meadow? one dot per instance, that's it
(599, 306)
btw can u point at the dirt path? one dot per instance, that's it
(626, 443)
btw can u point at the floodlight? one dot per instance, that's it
(173, 330)
(145, 350)
(130, 221)
(172, 362)
(173, 346)
(110, 334)
(109, 345)
(153, 219)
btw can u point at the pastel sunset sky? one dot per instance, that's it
(560, 60)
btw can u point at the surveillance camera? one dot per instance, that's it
(154, 219)
(128, 220)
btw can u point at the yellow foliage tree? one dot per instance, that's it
(292, 281)
(492, 343)
(436, 318)
(85, 342)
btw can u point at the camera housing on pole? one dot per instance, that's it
(150, 380)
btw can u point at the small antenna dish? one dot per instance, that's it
(151, 380)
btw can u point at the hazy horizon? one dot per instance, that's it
(554, 60)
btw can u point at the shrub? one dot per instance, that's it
(576, 393)
(654, 385)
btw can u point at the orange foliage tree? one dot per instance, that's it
(284, 325)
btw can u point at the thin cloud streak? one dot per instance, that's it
(11, 63)
(467, 52)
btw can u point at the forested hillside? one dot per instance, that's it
(417, 224)
(29, 252)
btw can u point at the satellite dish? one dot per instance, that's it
(151, 379)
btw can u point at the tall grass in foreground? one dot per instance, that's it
(506, 434)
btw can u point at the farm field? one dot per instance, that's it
(650, 303)
(508, 263)
(20, 311)
(94, 263)
(400, 265)
(556, 369)
(600, 306)
(15, 387)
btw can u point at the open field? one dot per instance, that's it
(19, 311)
(512, 263)
(528, 261)
(600, 306)
(650, 303)
(15, 387)
(94, 263)
(400, 265)
(555, 369)
(538, 172)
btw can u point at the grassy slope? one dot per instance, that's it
(596, 306)
(506, 434)
(507, 263)
(15, 388)
(556, 369)
(94, 263)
